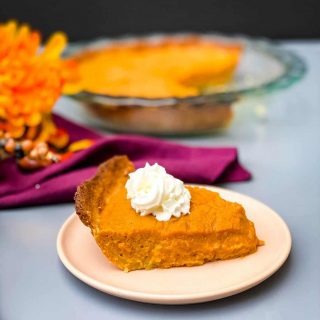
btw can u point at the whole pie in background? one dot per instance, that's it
(168, 68)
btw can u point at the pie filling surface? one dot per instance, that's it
(168, 68)
(215, 229)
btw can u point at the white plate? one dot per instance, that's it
(82, 257)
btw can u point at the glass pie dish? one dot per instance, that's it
(263, 68)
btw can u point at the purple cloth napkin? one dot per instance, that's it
(57, 183)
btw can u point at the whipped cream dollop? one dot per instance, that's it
(153, 191)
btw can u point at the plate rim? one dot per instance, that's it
(177, 298)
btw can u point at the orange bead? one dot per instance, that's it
(26, 145)
(9, 146)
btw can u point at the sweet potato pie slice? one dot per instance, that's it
(215, 229)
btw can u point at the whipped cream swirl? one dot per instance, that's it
(153, 191)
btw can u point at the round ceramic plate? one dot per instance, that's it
(83, 258)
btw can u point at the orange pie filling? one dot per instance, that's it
(168, 68)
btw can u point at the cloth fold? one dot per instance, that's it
(57, 183)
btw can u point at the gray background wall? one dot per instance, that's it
(92, 18)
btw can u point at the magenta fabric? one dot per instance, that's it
(57, 183)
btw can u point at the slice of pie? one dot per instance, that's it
(215, 229)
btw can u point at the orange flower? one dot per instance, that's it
(31, 77)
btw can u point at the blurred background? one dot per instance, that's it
(94, 18)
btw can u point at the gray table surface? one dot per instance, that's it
(282, 151)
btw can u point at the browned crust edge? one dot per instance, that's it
(145, 43)
(91, 194)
